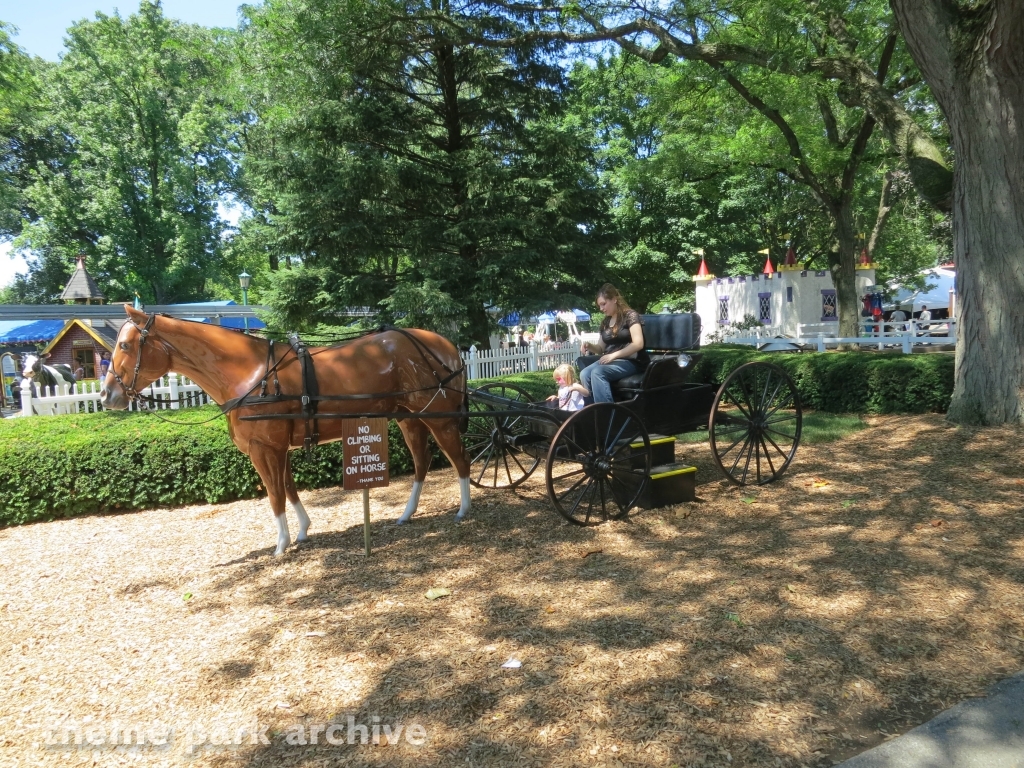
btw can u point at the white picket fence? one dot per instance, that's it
(173, 392)
(905, 335)
(176, 391)
(490, 363)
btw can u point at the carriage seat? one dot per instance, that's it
(665, 336)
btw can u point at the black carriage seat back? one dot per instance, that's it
(672, 333)
(665, 337)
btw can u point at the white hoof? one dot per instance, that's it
(464, 494)
(300, 512)
(413, 503)
(283, 537)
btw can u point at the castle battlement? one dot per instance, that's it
(782, 300)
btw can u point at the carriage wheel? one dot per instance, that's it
(755, 424)
(495, 460)
(599, 463)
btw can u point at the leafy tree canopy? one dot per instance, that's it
(431, 180)
(145, 157)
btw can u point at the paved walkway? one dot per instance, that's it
(979, 733)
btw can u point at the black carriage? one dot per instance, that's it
(598, 460)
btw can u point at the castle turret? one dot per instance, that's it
(864, 262)
(790, 264)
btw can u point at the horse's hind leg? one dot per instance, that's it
(415, 434)
(293, 498)
(271, 463)
(446, 433)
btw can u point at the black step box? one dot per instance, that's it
(663, 451)
(669, 484)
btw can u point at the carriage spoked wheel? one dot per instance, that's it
(755, 424)
(495, 459)
(599, 463)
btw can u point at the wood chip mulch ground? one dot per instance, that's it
(797, 624)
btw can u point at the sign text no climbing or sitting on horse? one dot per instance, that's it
(366, 453)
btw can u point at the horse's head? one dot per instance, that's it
(33, 365)
(139, 359)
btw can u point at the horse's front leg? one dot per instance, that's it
(271, 462)
(415, 435)
(296, 503)
(449, 439)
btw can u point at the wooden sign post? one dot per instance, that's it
(366, 461)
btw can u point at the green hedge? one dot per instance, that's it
(848, 382)
(62, 466)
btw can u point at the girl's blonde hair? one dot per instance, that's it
(566, 372)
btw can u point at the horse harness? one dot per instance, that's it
(311, 397)
(143, 336)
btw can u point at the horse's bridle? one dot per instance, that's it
(131, 392)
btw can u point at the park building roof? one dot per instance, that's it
(81, 288)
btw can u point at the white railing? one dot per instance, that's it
(887, 335)
(172, 391)
(751, 335)
(490, 363)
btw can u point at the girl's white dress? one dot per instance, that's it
(569, 399)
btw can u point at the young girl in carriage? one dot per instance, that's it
(570, 392)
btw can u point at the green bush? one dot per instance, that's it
(848, 382)
(62, 466)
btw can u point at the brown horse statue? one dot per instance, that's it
(228, 364)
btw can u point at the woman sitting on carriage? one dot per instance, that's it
(621, 345)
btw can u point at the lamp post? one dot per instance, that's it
(243, 280)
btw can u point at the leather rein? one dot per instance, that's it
(130, 391)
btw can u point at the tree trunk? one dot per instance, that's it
(988, 226)
(972, 61)
(843, 265)
(479, 328)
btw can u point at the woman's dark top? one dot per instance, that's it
(619, 337)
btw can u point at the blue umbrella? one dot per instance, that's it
(511, 319)
(581, 315)
(547, 317)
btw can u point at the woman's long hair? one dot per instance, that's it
(611, 293)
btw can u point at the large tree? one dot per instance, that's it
(676, 186)
(25, 139)
(422, 177)
(789, 126)
(972, 55)
(847, 62)
(145, 158)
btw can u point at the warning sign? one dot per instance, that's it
(366, 453)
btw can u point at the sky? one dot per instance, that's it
(41, 25)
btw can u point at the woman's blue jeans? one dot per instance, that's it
(598, 378)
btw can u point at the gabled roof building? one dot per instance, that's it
(81, 288)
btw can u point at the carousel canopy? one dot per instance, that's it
(938, 281)
(575, 316)
(38, 331)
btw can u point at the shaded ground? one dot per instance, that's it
(880, 582)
